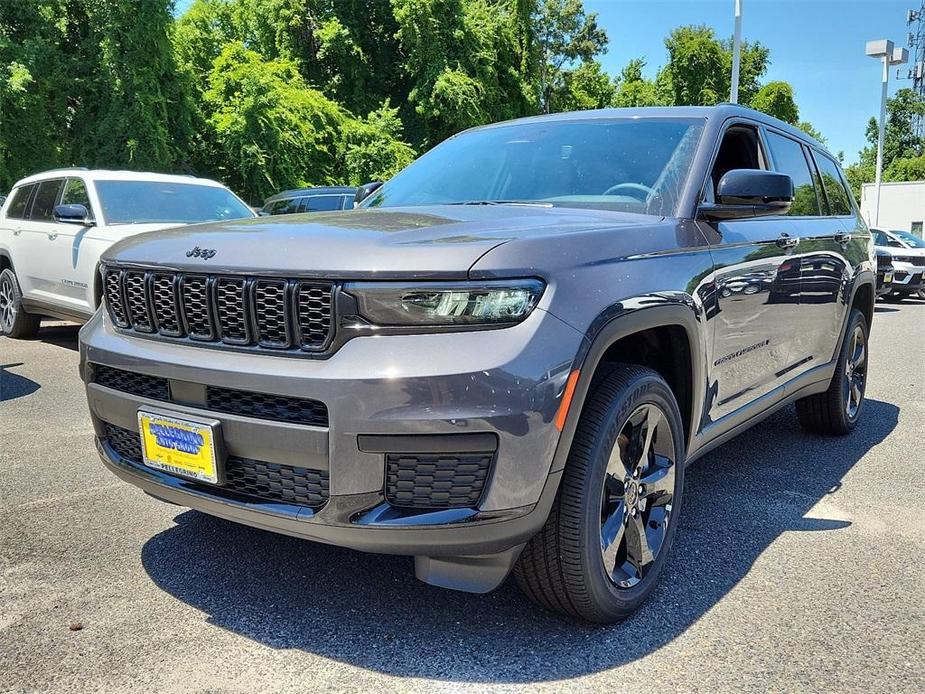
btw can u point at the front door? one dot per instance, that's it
(757, 275)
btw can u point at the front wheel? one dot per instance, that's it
(837, 410)
(14, 320)
(600, 553)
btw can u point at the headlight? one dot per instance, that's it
(445, 304)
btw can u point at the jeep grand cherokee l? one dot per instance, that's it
(56, 225)
(505, 357)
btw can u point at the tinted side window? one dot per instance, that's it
(789, 159)
(834, 187)
(321, 203)
(290, 206)
(45, 199)
(17, 209)
(75, 193)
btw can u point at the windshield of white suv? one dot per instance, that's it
(629, 164)
(148, 202)
(910, 239)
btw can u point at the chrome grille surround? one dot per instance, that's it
(287, 316)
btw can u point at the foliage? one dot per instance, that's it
(564, 35)
(699, 68)
(373, 147)
(266, 128)
(269, 94)
(776, 99)
(810, 130)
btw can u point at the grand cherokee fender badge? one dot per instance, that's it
(197, 252)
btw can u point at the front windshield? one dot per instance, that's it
(910, 239)
(144, 202)
(630, 164)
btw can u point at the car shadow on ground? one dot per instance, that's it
(13, 386)
(59, 334)
(369, 611)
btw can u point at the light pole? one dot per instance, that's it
(888, 54)
(736, 51)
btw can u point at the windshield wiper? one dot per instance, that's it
(529, 203)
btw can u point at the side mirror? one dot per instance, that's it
(750, 193)
(364, 191)
(72, 214)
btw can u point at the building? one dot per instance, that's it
(902, 205)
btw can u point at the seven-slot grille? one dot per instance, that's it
(277, 314)
(252, 478)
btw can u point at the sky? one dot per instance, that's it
(816, 45)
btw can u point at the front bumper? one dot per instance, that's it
(506, 383)
(907, 277)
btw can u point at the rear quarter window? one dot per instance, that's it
(835, 191)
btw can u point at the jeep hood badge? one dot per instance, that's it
(197, 252)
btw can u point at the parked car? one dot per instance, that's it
(56, 224)
(908, 259)
(300, 200)
(884, 272)
(505, 358)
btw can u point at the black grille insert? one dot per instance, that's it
(227, 400)
(152, 387)
(255, 479)
(274, 314)
(436, 480)
(266, 406)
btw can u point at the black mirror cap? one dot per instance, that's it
(72, 214)
(365, 190)
(750, 193)
(753, 186)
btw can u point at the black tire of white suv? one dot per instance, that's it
(606, 539)
(15, 321)
(837, 410)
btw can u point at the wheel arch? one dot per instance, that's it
(675, 324)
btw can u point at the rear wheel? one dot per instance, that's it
(604, 545)
(837, 410)
(14, 320)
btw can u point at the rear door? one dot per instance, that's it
(842, 244)
(39, 276)
(11, 232)
(819, 260)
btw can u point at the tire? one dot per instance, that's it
(837, 410)
(562, 568)
(14, 320)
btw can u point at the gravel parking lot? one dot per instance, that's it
(800, 565)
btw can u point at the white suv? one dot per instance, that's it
(55, 225)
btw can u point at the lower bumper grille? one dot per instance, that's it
(244, 477)
(435, 481)
(224, 400)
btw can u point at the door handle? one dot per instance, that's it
(52, 237)
(842, 236)
(787, 241)
(17, 232)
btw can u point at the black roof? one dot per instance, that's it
(317, 190)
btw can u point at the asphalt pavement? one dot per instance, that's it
(799, 566)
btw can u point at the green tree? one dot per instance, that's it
(266, 128)
(632, 89)
(565, 35)
(374, 148)
(810, 130)
(585, 87)
(776, 99)
(699, 68)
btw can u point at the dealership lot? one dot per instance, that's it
(800, 565)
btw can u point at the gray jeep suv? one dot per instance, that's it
(505, 357)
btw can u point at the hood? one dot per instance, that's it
(436, 241)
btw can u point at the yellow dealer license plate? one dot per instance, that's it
(180, 446)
